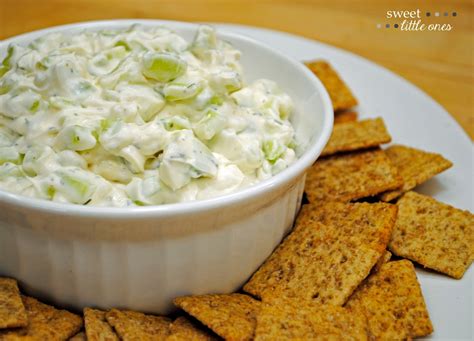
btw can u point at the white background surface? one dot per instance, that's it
(414, 119)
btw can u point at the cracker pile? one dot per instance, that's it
(42, 322)
(25, 318)
(332, 278)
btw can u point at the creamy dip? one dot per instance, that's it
(137, 117)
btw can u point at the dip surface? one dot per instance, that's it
(137, 117)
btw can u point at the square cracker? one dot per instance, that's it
(393, 303)
(12, 310)
(351, 176)
(231, 316)
(44, 323)
(182, 330)
(433, 234)
(96, 326)
(331, 250)
(293, 320)
(415, 167)
(340, 94)
(345, 116)
(351, 136)
(132, 325)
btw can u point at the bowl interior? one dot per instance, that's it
(312, 119)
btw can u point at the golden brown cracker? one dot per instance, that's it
(44, 323)
(356, 218)
(392, 301)
(351, 136)
(345, 116)
(351, 176)
(12, 310)
(433, 234)
(132, 325)
(386, 256)
(182, 329)
(231, 316)
(340, 94)
(415, 167)
(96, 326)
(80, 337)
(331, 250)
(295, 320)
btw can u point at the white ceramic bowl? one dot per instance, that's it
(142, 257)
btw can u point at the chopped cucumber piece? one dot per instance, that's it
(76, 187)
(163, 67)
(180, 91)
(6, 63)
(10, 154)
(151, 185)
(7, 137)
(273, 150)
(75, 138)
(149, 102)
(211, 124)
(35, 106)
(186, 157)
(293, 144)
(37, 159)
(152, 163)
(84, 87)
(119, 51)
(116, 135)
(226, 81)
(245, 150)
(149, 190)
(50, 192)
(175, 174)
(216, 100)
(113, 169)
(9, 169)
(106, 123)
(176, 123)
(71, 158)
(41, 66)
(205, 98)
(59, 102)
(3, 70)
(135, 159)
(107, 61)
(20, 103)
(204, 41)
(122, 43)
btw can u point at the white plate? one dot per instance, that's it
(414, 119)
